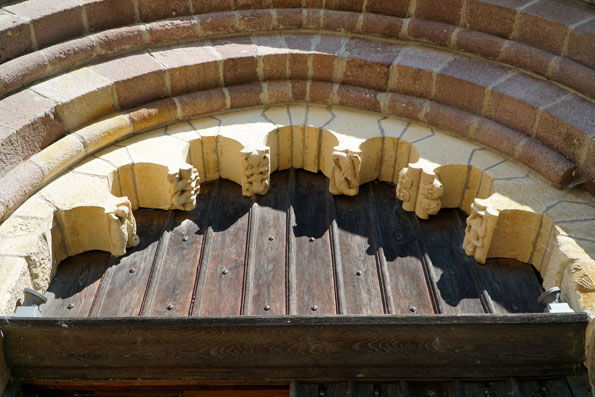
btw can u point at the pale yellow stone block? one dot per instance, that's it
(561, 252)
(298, 145)
(105, 132)
(208, 129)
(59, 155)
(278, 115)
(36, 250)
(230, 165)
(82, 189)
(546, 230)
(352, 124)
(15, 278)
(453, 178)
(328, 143)
(416, 132)
(393, 127)
(389, 158)
(17, 226)
(83, 94)
(35, 207)
(406, 154)
(285, 149)
(371, 154)
(578, 284)
(183, 130)
(485, 158)
(298, 115)
(444, 149)
(471, 190)
(529, 192)
(318, 116)
(119, 158)
(515, 235)
(312, 149)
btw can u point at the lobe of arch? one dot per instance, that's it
(164, 169)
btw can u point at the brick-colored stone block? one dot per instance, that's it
(84, 95)
(545, 24)
(15, 36)
(17, 185)
(463, 81)
(553, 166)
(137, 78)
(345, 5)
(170, 30)
(216, 23)
(312, 19)
(320, 92)
(368, 63)
(430, 32)
(486, 45)
(250, 4)
(153, 114)
(414, 70)
(339, 21)
(272, 53)
(289, 18)
(497, 136)
(52, 21)
(382, 25)
(581, 44)
(526, 57)
(299, 90)
(201, 103)
(239, 60)
(323, 59)
(30, 124)
(298, 48)
(395, 7)
(405, 106)
(208, 6)
(152, 10)
(447, 11)
(190, 67)
(358, 97)
(22, 70)
(278, 92)
(450, 119)
(245, 95)
(567, 126)
(105, 14)
(121, 39)
(515, 101)
(574, 75)
(255, 20)
(492, 16)
(287, 3)
(65, 55)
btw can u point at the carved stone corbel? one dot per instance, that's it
(345, 172)
(184, 186)
(582, 274)
(420, 191)
(256, 176)
(121, 227)
(479, 231)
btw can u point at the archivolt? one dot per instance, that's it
(513, 213)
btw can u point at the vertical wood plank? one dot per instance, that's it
(451, 268)
(548, 387)
(511, 286)
(75, 285)
(487, 388)
(314, 282)
(225, 262)
(290, 255)
(406, 275)
(434, 389)
(394, 389)
(361, 281)
(170, 293)
(265, 289)
(299, 389)
(123, 288)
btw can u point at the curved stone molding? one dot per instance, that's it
(470, 32)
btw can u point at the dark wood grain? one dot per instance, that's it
(224, 263)
(361, 281)
(266, 284)
(548, 387)
(122, 291)
(456, 289)
(487, 388)
(314, 281)
(301, 348)
(405, 270)
(171, 290)
(73, 289)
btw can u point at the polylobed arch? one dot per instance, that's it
(432, 170)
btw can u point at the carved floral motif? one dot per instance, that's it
(345, 171)
(257, 171)
(405, 186)
(481, 223)
(122, 228)
(185, 186)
